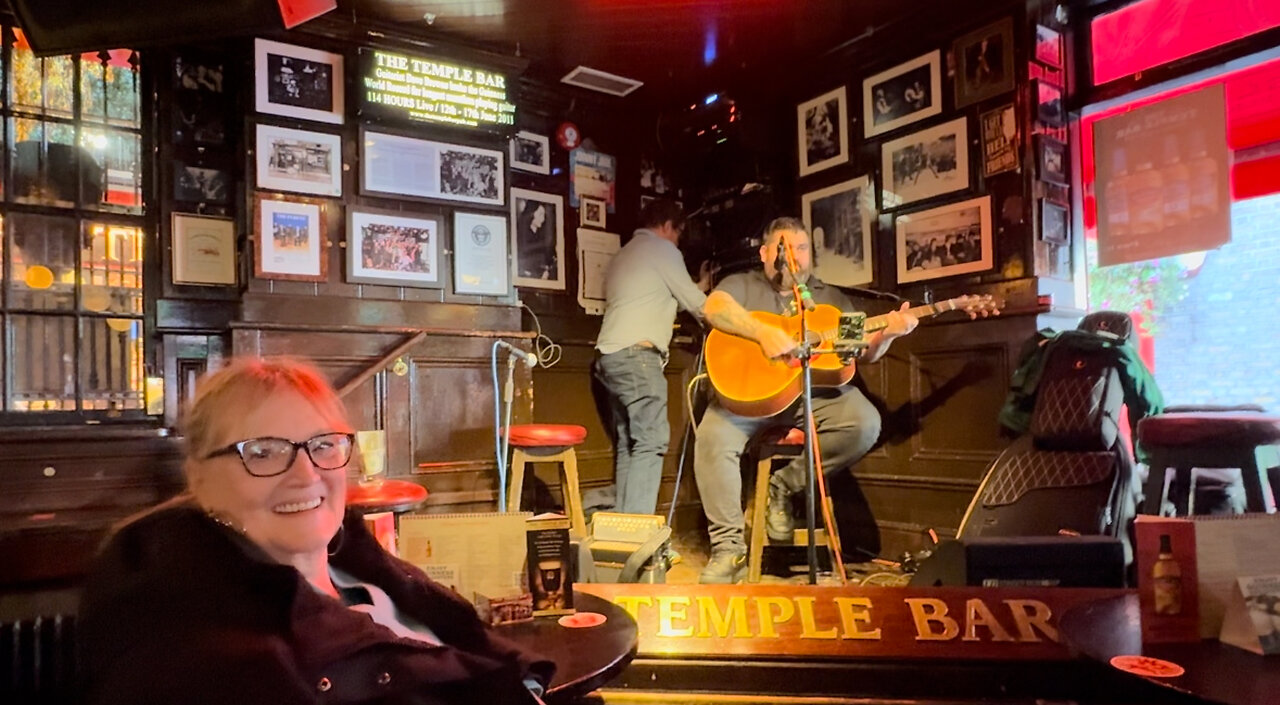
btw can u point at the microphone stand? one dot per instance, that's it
(805, 350)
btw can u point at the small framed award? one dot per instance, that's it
(204, 250)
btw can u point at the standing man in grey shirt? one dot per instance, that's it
(645, 284)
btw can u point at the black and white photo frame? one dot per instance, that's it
(945, 241)
(1052, 161)
(196, 183)
(1048, 49)
(823, 131)
(984, 63)
(393, 248)
(592, 212)
(298, 82)
(531, 152)
(1048, 101)
(1055, 223)
(840, 219)
(906, 93)
(399, 166)
(300, 161)
(925, 164)
(539, 239)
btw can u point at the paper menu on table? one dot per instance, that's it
(470, 553)
(1227, 548)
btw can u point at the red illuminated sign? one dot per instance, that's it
(1152, 33)
(295, 12)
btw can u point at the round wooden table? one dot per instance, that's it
(586, 658)
(1216, 672)
(386, 496)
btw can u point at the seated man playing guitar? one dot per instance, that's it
(848, 424)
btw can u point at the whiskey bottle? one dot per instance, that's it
(1166, 579)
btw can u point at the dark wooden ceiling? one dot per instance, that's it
(681, 49)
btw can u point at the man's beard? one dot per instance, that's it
(782, 281)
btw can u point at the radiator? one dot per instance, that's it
(37, 661)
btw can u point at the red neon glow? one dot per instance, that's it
(1155, 32)
(295, 12)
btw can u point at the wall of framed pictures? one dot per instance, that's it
(936, 122)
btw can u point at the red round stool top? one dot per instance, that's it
(545, 435)
(386, 496)
(1195, 428)
(782, 436)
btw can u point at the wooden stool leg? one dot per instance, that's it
(1254, 477)
(759, 510)
(1153, 491)
(517, 480)
(573, 492)
(1181, 493)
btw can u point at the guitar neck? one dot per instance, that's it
(880, 322)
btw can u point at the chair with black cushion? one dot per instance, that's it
(1071, 473)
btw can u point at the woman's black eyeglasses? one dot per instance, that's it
(266, 457)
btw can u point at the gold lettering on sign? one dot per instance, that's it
(977, 614)
(631, 603)
(928, 609)
(808, 625)
(852, 611)
(709, 615)
(784, 612)
(1037, 618)
(669, 610)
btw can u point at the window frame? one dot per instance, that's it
(85, 216)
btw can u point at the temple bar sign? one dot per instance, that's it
(848, 622)
(417, 89)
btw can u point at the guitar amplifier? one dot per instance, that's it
(628, 548)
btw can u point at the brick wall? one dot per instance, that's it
(1221, 345)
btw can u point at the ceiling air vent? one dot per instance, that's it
(596, 80)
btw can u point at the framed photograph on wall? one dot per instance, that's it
(925, 164)
(393, 248)
(839, 219)
(480, 254)
(999, 140)
(902, 95)
(822, 126)
(1052, 161)
(984, 63)
(592, 213)
(531, 152)
(394, 165)
(594, 175)
(299, 161)
(945, 241)
(1048, 49)
(297, 82)
(290, 237)
(1055, 223)
(1047, 98)
(204, 250)
(200, 184)
(539, 238)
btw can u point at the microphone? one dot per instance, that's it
(806, 298)
(527, 358)
(780, 263)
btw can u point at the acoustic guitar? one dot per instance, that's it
(750, 384)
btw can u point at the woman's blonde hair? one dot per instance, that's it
(223, 396)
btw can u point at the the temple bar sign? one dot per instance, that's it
(970, 623)
(419, 89)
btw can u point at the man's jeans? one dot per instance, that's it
(638, 404)
(848, 425)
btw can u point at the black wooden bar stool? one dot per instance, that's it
(1188, 440)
